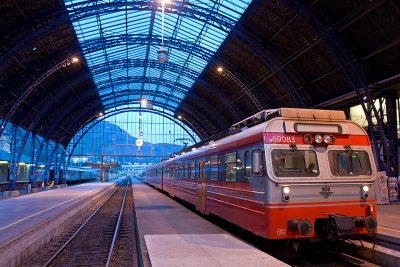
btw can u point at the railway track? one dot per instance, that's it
(106, 238)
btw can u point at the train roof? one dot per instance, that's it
(290, 113)
(253, 128)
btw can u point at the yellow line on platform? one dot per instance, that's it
(393, 230)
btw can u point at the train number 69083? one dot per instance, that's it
(283, 139)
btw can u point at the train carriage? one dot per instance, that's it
(282, 174)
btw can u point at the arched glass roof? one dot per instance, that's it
(120, 40)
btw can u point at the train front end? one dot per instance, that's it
(321, 171)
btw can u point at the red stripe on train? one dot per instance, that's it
(281, 138)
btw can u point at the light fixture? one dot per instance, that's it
(364, 191)
(307, 138)
(220, 69)
(180, 117)
(70, 61)
(318, 139)
(285, 193)
(143, 102)
(329, 139)
(162, 52)
(162, 55)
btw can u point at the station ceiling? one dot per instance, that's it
(274, 53)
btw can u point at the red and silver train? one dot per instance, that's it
(281, 174)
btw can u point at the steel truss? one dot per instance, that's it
(382, 139)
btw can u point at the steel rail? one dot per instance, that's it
(117, 228)
(58, 252)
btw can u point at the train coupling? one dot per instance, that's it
(334, 226)
(368, 222)
(338, 225)
(303, 227)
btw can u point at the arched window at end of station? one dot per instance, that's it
(129, 138)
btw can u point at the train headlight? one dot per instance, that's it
(329, 139)
(307, 138)
(318, 139)
(364, 191)
(285, 193)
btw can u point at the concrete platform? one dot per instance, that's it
(389, 220)
(30, 221)
(171, 235)
(205, 250)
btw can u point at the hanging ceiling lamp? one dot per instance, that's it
(162, 52)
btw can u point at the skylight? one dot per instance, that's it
(120, 40)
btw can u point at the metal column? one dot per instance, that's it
(32, 160)
(13, 167)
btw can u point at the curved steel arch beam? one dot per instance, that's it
(70, 109)
(264, 51)
(141, 63)
(229, 75)
(204, 104)
(103, 67)
(94, 45)
(116, 112)
(213, 90)
(129, 92)
(140, 79)
(40, 116)
(48, 27)
(195, 129)
(170, 67)
(182, 8)
(362, 92)
(201, 119)
(209, 111)
(192, 11)
(125, 110)
(29, 90)
(90, 93)
(78, 120)
(200, 101)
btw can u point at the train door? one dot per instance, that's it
(162, 178)
(201, 188)
(171, 181)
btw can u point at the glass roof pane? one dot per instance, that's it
(123, 32)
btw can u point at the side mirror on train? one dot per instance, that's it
(257, 164)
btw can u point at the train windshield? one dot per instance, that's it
(349, 163)
(294, 163)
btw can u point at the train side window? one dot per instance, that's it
(177, 171)
(185, 170)
(196, 170)
(166, 171)
(230, 167)
(181, 171)
(258, 162)
(247, 164)
(207, 169)
(214, 168)
(193, 170)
